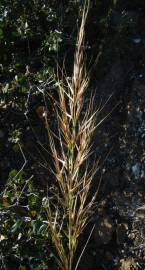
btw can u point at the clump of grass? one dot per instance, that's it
(71, 207)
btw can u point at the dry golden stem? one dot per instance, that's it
(70, 153)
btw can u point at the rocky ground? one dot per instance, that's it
(119, 237)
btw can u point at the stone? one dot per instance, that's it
(103, 231)
(136, 40)
(127, 264)
(140, 212)
(136, 170)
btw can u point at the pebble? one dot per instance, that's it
(136, 40)
(104, 230)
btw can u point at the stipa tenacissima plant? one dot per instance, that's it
(71, 208)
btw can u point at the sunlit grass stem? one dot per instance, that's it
(74, 204)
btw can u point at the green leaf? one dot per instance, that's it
(13, 173)
(16, 226)
(36, 225)
(43, 228)
(22, 267)
(33, 200)
(16, 148)
(19, 180)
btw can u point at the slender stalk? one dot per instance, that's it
(70, 151)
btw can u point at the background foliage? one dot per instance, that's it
(34, 36)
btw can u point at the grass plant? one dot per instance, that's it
(72, 205)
